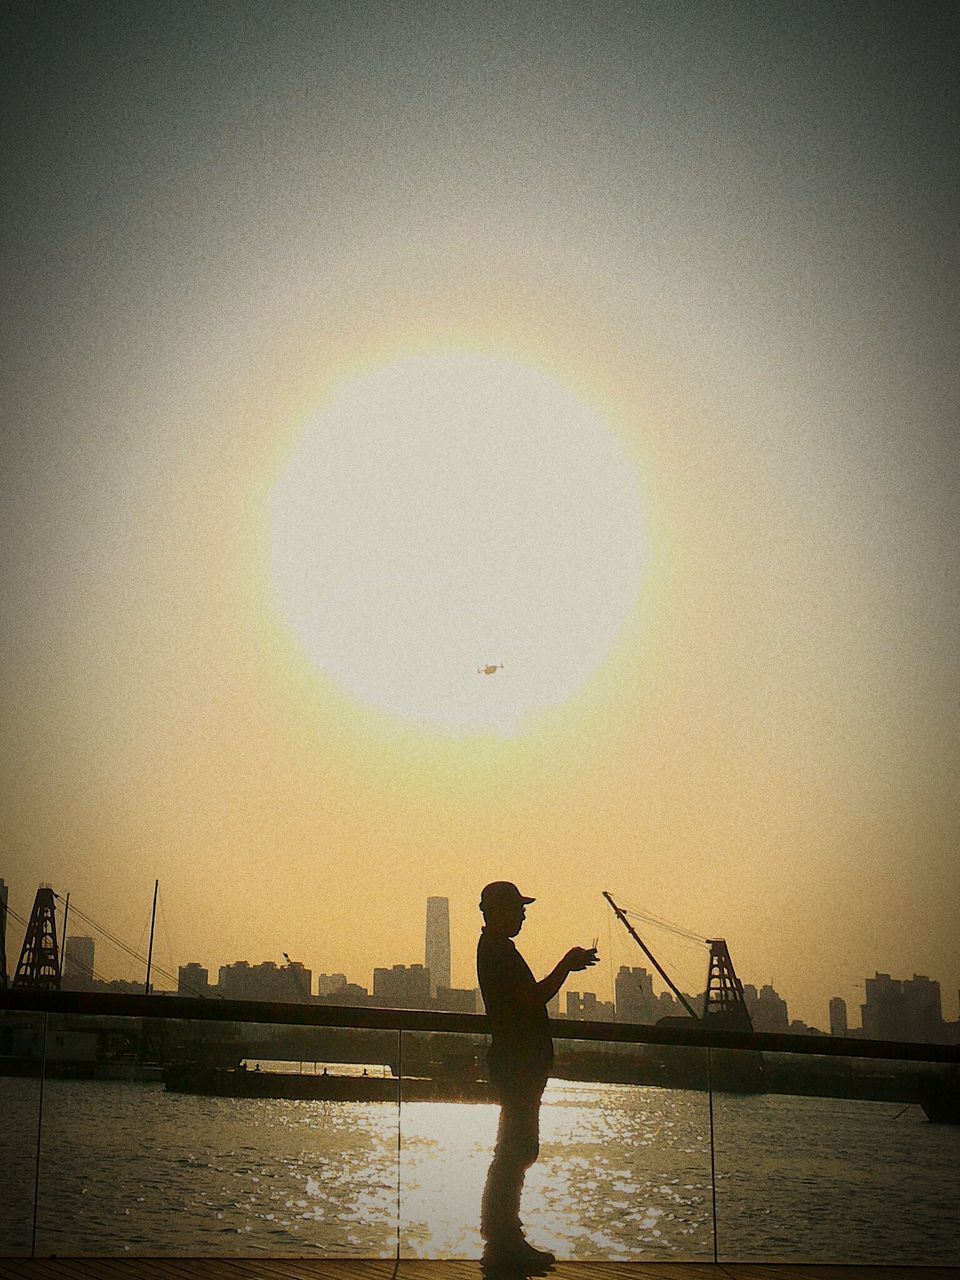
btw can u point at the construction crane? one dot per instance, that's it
(723, 1003)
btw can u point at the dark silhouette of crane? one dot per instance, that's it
(723, 1003)
(39, 965)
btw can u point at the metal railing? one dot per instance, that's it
(301, 1014)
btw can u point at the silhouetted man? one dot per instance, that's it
(520, 1058)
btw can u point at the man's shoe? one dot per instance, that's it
(518, 1258)
(503, 1265)
(542, 1256)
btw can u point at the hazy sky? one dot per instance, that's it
(701, 504)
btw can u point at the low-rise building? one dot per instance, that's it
(78, 957)
(193, 980)
(908, 1009)
(267, 981)
(587, 1008)
(402, 987)
(456, 999)
(327, 983)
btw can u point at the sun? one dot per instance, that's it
(457, 540)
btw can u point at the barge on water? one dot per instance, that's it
(241, 1082)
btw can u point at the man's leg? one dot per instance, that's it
(518, 1145)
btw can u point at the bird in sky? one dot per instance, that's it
(488, 671)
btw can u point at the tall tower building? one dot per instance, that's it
(437, 949)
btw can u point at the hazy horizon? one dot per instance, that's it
(352, 349)
(677, 956)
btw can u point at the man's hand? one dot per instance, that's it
(578, 958)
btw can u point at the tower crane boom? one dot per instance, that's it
(723, 1001)
(649, 954)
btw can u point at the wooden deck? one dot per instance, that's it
(383, 1269)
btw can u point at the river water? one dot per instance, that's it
(624, 1173)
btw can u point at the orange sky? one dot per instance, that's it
(769, 749)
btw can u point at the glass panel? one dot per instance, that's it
(21, 1038)
(448, 1125)
(834, 1160)
(623, 1170)
(218, 1138)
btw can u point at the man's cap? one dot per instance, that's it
(501, 893)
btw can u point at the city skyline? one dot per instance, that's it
(894, 1009)
(414, 985)
(451, 443)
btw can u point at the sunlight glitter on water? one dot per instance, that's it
(623, 1173)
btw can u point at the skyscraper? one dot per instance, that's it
(437, 948)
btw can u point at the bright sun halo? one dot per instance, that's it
(444, 513)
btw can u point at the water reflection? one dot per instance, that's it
(822, 1179)
(623, 1173)
(19, 1103)
(133, 1168)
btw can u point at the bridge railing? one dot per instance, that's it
(670, 1142)
(698, 1035)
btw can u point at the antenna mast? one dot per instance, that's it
(153, 921)
(63, 940)
(3, 936)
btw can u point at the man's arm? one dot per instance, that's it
(577, 958)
